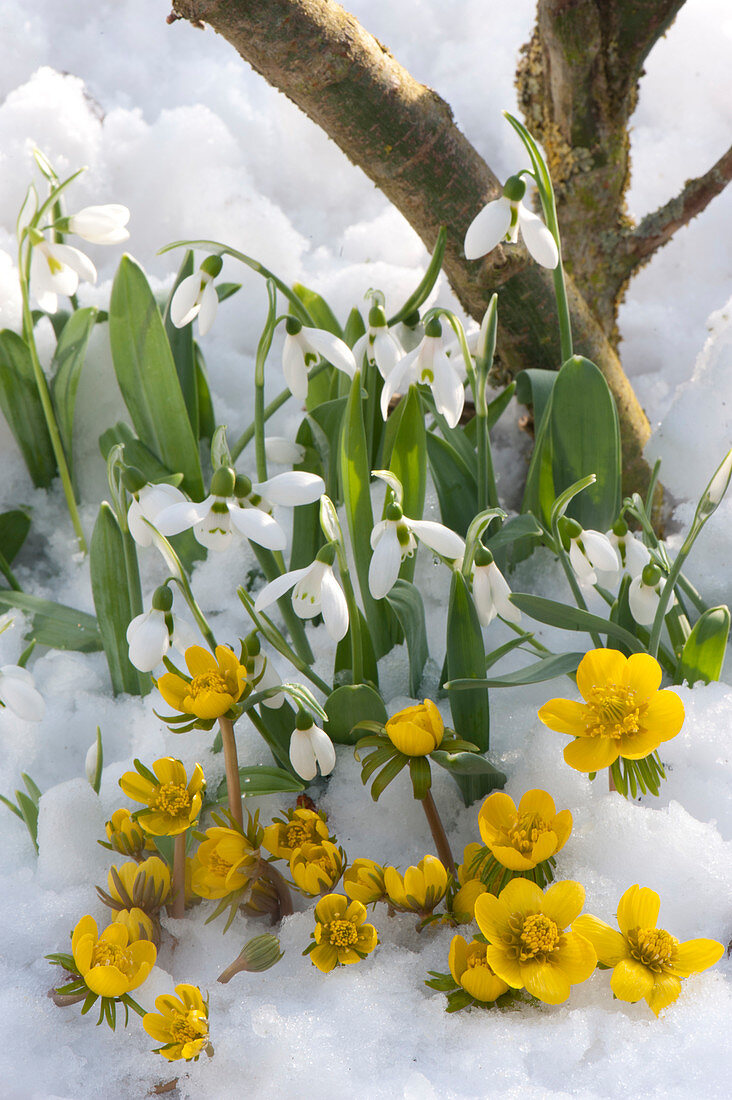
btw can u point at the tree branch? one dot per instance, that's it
(657, 229)
(402, 135)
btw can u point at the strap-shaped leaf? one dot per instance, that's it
(534, 387)
(547, 668)
(428, 280)
(260, 779)
(389, 772)
(454, 483)
(14, 528)
(66, 366)
(469, 763)
(408, 461)
(147, 376)
(406, 603)
(23, 410)
(703, 654)
(466, 659)
(572, 618)
(343, 659)
(116, 601)
(55, 624)
(182, 348)
(321, 313)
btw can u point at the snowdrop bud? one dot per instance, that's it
(718, 485)
(101, 224)
(643, 595)
(91, 763)
(329, 520)
(18, 693)
(310, 748)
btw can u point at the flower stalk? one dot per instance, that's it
(178, 908)
(438, 833)
(231, 764)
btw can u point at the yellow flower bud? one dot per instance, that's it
(364, 881)
(463, 904)
(470, 969)
(420, 889)
(125, 835)
(316, 868)
(300, 826)
(417, 730)
(139, 925)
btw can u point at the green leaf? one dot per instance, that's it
(206, 417)
(348, 705)
(454, 483)
(182, 349)
(466, 659)
(572, 618)
(29, 812)
(343, 658)
(428, 280)
(307, 535)
(66, 366)
(226, 290)
(14, 527)
(259, 779)
(115, 606)
(513, 643)
(498, 405)
(408, 461)
(471, 764)
(561, 664)
(406, 603)
(421, 776)
(23, 410)
(518, 527)
(355, 328)
(389, 772)
(56, 625)
(326, 424)
(321, 313)
(585, 439)
(534, 387)
(703, 654)
(147, 376)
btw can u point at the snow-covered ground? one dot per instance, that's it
(173, 124)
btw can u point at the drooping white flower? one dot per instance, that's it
(302, 349)
(315, 591)
(429, 363)
(379, 344)
(150, 635)
(101, 224)
(501, 220)
(195, 296)
(395, 538)
(633, 554)
(267, 676)
(644, 592)
(19, 694)
(589, 551)
(147, 503)
(236, 508)
(310, 748)
(284, 452)
(491, 591)
(56, 269)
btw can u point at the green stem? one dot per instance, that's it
(354, 619)
(487, 492)
(438, 834)
(278, 641)
(47, 404)
(666, 595)
(179, 877)
(198, 615)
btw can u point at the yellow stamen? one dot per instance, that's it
(539, 937)
(613, 711)
(172, 799)
(342, 933)
(207, 682)
(188, 1028)
(524, 834)
(297, 835)
(654, 947)
(110, 954)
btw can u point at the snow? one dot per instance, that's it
(173, 124)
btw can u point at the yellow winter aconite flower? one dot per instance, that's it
(300, 826)
(647, 961)
(181, 1023)
(528, 946)
(420, 889)
(223, 863)
(109, 964)
(316, 868)
(521, 838)
(462, 906)
(144, 886)
(126, 836)
(470, 969)
(138, 924)
(217, 683)
(623, 714)
(341, 936)
(173, 801)
(417, 730)
(364, 881)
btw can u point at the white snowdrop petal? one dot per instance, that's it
(330, 347)
(334, 605)
(20, 696)
(385, 563)
(643, 602)
(78, 261)
(483, 596)
(600, 551)
(209, 305)
(538, 238)
(277, 588)
(137, 524)
(214, 532)
(302, 755)
(148, 641)
(101, 224)
(258, 526)
(583, 570)
(185, 304)
(387, 352)
(323, 748)
(487, 229)
(63, 281)
(291, 488)
(181, 517)
(501, 593)
(437, 537)
(184, 635)
(283, 451)
(359, 350)
(637, 555)
(448, 392)
(294, 369)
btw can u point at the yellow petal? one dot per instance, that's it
(458, 958)
(197, 781)
(435, 875)
(143, 953)
(564, 716)
(634, 746)
(665, 715)
(169, 770)
(546, 981)
(631, 980)
(600, 667)
(638, 908)
(563, 902)
(522, 896)
(157, 1027)
(367, 938)
(480, 983)
(591, 754)
(355, 913)
(497, 812)
(83, 952)
(210, 704)
(199, 660)
(463, 904)
(331, 907)
(576, 956)
(545, 846)
(643, 675)
(174, 690)
(506, 968)
(511, 858)
(562, 827)
(116, 934)
(492, 917)
(324, 956)
(610, 946)
(107, 981)
(695, 955)
(87, 926)
(137, 787)
(666, 989)
(538, 802)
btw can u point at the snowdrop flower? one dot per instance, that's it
(148, 501)
(236, 508)
(302, 349)
(644, 593)
(283, 451)
(18, 693)
(56, 269)
(490, 591)
(501, 220)
(310, 748)
(430, 364)
(196, 296)
(379, 344)
(100, 224)
(633, 554)
(589, 551)
(150, 635)
(315, 591)
(393, 539)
